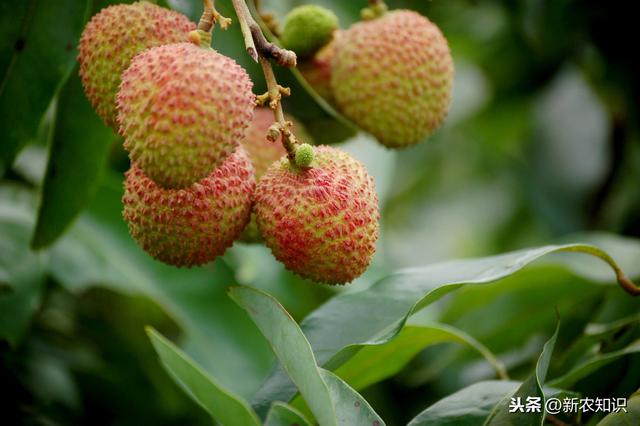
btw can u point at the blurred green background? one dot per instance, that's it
(542, 144)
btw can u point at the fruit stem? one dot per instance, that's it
(203, 34)
(261, 50)
(376, 9)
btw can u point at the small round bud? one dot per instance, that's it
(304, 155)
(194, 37)
(308, 28)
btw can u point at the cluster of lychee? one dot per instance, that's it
(198, 143)
(391, 73)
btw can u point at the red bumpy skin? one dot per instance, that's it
(182, 110)
(393, 77)
(113, 37)
(189, 227)
(264, 153)
(322, 222)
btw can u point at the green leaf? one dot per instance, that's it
(532, 387)
(375, 363)
(98, 251)
(223, 405)
(77, 157)
(391, 301)
(282, 414)
(22, 272)
(598, 361)
(474, 404)
(468, 407)
(350, 407)
(35, 61)
(629, 418)
(291, 348)
(330, 400)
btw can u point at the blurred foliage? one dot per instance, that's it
(542, 145)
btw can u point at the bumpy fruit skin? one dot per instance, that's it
(182, 110)
(393, 77)
(113, 37)
(322, 222)
(264, 153)
(307, 28)
(192, 226)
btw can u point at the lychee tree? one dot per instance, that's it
(197, 216)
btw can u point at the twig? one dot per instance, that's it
(203, 33)
(256, 43)
(262, 50)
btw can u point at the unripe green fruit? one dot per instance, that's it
(182, 110)
(308, 28)
(304, 155)
(320, 222)
(113, 37)
(264, 153)
(192, 226)
(393, 77)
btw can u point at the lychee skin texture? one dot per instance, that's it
(110, 41)
(307, 28)
(192, 226)
(321, 222)
(393, 77)
(182, 110)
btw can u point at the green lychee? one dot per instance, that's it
(113, 37)
(320, 222)
(182, 110)
(304, 155)
(307, 28)
(264, 153)
(192, 226)
(393, 77)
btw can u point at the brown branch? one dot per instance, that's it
(259, 48)
(284, 58)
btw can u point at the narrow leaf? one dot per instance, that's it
(375, 363)
(223, 405)
(330, 399)
(584, 369)
(77, 157)
(37, 58)
(282, 414)
(291, 348)
(531, 388)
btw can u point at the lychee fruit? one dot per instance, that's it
(264, 153)
(182, 110)
(307, 28)
(393, 77)
(320, 222)
(191, 226)
(113, 37)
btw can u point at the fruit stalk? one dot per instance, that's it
(208, 19)
(259, 48)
